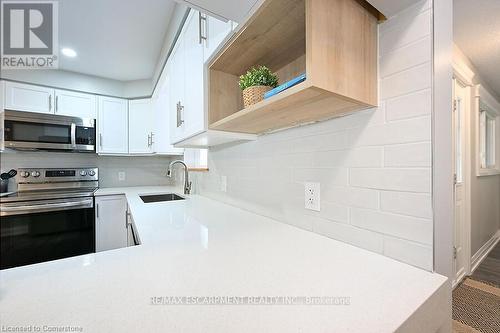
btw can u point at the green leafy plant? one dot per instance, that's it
(258, 76)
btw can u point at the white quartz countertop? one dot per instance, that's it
(201, 247)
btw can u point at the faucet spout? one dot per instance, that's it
(187, 183)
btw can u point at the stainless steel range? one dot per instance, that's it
(51, 216)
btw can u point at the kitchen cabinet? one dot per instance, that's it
(303, 42)
(132, 236)
(75, 104)
(140, 126)
(112, 120)
(111, 227)
(29, 98)
(215, 33)
(161, 115)
(186, 71)
(225, 9)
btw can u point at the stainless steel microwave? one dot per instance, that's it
(40, 131)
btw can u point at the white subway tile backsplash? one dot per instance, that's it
(327, 177)
(407, 81)
(409, 252)
(412, 28)
(352, 196)
(408, 155)
(413, 204)
(404, 131)
(358, 157)
(406, 227)
(408, 106)
(374, 166)
(350, 234)
(410, 180)
(406, 57)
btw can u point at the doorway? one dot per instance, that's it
(461, 170)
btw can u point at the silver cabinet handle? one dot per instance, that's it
(180, 108)
(57, 103)
(100, 140)
(50, 102)
(97, 210)
(149, 140)
(202, 19)
(152, 135)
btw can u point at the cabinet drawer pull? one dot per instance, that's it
(50, 102)
(180, 108)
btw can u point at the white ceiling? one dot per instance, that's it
(115, 39)
(476, 31)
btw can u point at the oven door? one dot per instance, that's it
(38, 231)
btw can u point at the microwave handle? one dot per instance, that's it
(73, 135)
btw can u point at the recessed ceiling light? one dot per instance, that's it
(68, 52)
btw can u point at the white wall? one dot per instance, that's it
(374, 166)
(485, 190)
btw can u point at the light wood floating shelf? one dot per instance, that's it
(333, 41)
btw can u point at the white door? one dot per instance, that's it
(140, 130)
(112, 125)
(215, 32)
(229, 9)
(27, 97)
(110, 222)
(459, 109)
(194, 113)
(75, 104)
(161, 117)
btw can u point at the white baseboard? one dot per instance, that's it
(483, 252)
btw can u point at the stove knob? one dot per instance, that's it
(35, 173)
(24, 174)
(91, 173)
(83, 173)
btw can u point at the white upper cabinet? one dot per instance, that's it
(194, 115)
(175, 71)
(140, 130)
(160, 103)
(228, 9)
(215, 32)
(75, 104)
(112, 122)
(27, 97)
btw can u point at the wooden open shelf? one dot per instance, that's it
(333, 41)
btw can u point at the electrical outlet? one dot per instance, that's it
(223, 183)
(312, 196)
(121, 176)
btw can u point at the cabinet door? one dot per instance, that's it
(161, 118)
(194, 112)
(215, 32)
(140, 130)
(27, 97)
(229, 9)
(111, 222)
(75, 104)
(113, 125)
(177, 78)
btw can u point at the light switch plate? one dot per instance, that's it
(312, 196)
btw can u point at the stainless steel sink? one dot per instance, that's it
(160, 197)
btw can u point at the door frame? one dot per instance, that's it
(463, 75)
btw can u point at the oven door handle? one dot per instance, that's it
(11, 210)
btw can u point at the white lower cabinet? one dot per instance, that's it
(111, 224)
(75, 104)
(140, 129)
(112, 125)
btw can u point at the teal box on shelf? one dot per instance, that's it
(285, 86)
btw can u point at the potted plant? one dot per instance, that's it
(255, 83)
